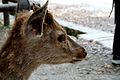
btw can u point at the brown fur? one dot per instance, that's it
(24, 50)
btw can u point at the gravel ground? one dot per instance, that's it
(97, 65)
(79, 14)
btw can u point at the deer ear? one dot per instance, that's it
(36, 20)
(35, 7)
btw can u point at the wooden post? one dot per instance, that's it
(6, 14)
(6, 8)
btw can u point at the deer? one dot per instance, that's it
(36, 38)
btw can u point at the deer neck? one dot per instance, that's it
(14, 64)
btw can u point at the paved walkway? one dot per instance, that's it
(103, 37)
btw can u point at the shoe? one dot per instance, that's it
(116, 60)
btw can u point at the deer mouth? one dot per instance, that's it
(79, 57)
(76, 59)
(79, 54)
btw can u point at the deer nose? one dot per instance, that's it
(84, 52)
(79, 54)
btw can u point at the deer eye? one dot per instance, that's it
(61, 38)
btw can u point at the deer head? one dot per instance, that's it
(36, 38)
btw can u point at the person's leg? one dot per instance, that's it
(116, 45)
